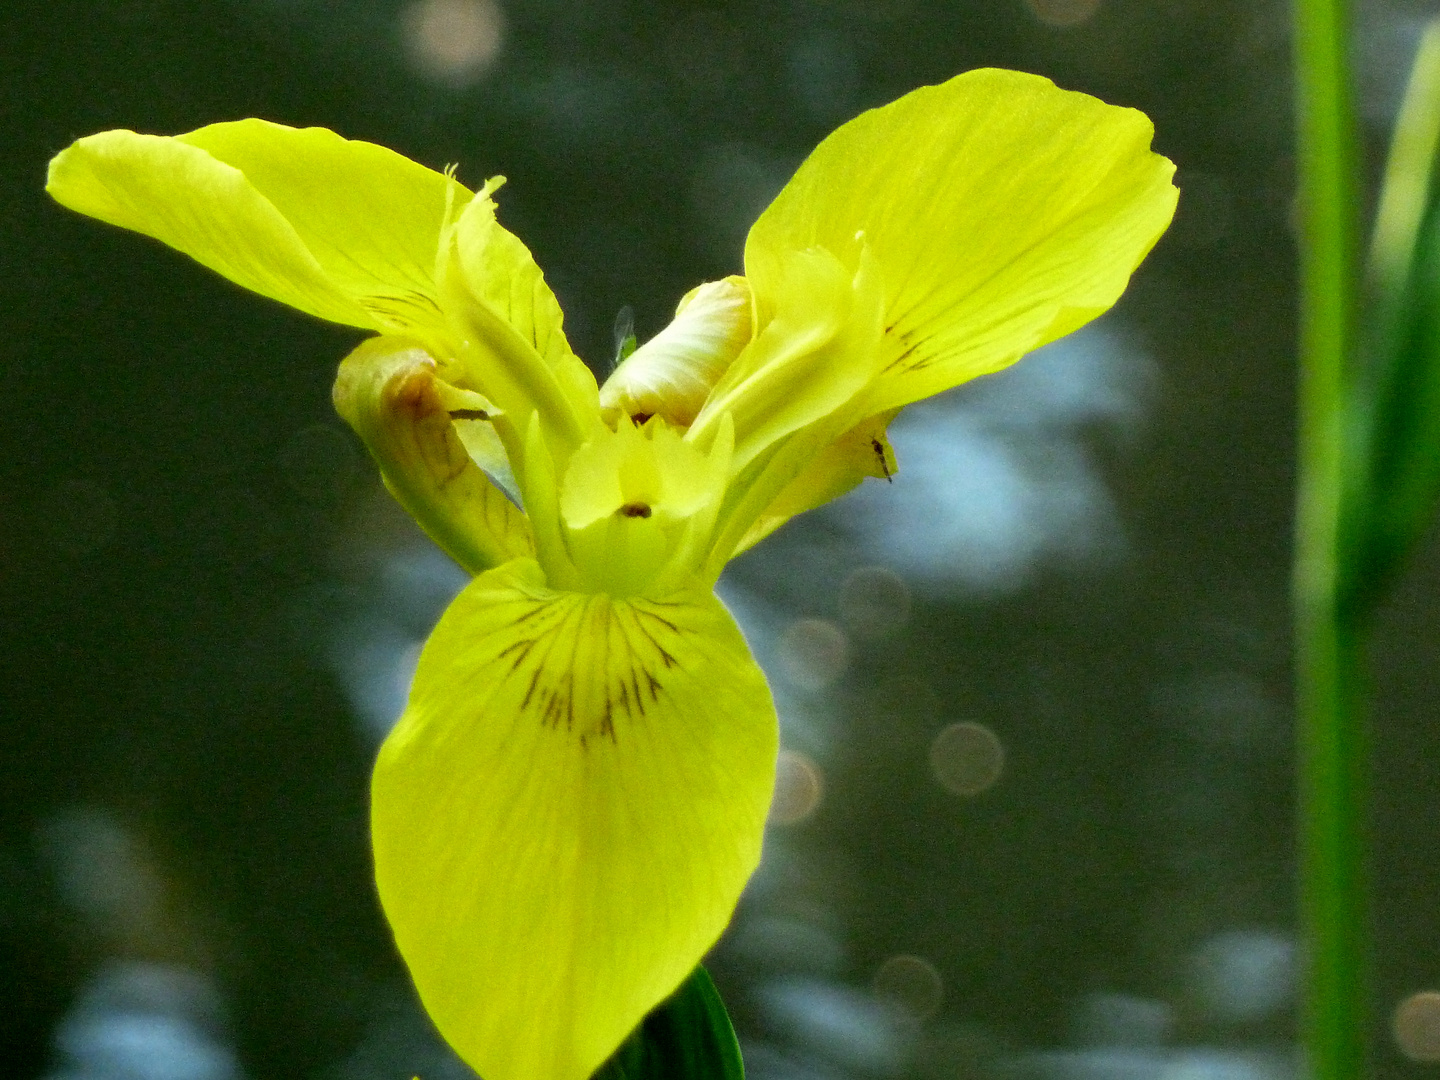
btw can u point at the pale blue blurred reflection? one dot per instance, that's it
(837, 1025)
(136, 1017)
(996, 477)
(144, 1022)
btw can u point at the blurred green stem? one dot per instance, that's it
(1331, 753)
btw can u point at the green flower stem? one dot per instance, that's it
(1330, 738)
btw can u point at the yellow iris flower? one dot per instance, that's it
(566, 813)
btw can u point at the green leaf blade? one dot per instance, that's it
(686, 1037)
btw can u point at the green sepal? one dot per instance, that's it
(686, 1037)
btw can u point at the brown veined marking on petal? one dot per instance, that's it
(634, 510)
(639, 419)
(668, 660)
(555, 694)
(904, 339)
(628, 655)
(880, 453)
(469, 414)
(636, 666)
(549, 694)
(540, 608)
(530, 690)
(605, 614)
(395, 307)
(586, 618)
(522, 647)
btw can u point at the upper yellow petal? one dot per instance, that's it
(184, 197)
(507, 329)
(372, 218)
(500, 272)
(566, 814)
(1003, 212)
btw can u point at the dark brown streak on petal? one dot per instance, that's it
(900, 360)
(413, 398)
(523, 647)
(665, 657)
(607, 720)
(880, 453)
(570, 702)
(660, 619)
(534, 680)
(533, 612)
(635, 686)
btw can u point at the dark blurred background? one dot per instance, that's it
(1034, 812)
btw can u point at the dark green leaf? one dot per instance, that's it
(687, 1037)
(1396, 446)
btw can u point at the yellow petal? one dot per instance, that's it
(509, 328)
(473, 417)
(501, 273)
(372, 218)
(388, 391)
(837, 468)
(1003, 213)
(184, 197)
(639, 502)
(566, 814)
(814, 351)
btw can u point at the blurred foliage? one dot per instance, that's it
(1395, 439)
(687, 1037)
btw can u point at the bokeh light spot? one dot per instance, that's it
(799, 787)
(814, 653)
(453, 41)
(1063, 13)
(1416, 1025)
(911, 983)
(967, 758)
(874, 603)
(1245, 975)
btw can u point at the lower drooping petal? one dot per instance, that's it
(566, 814)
